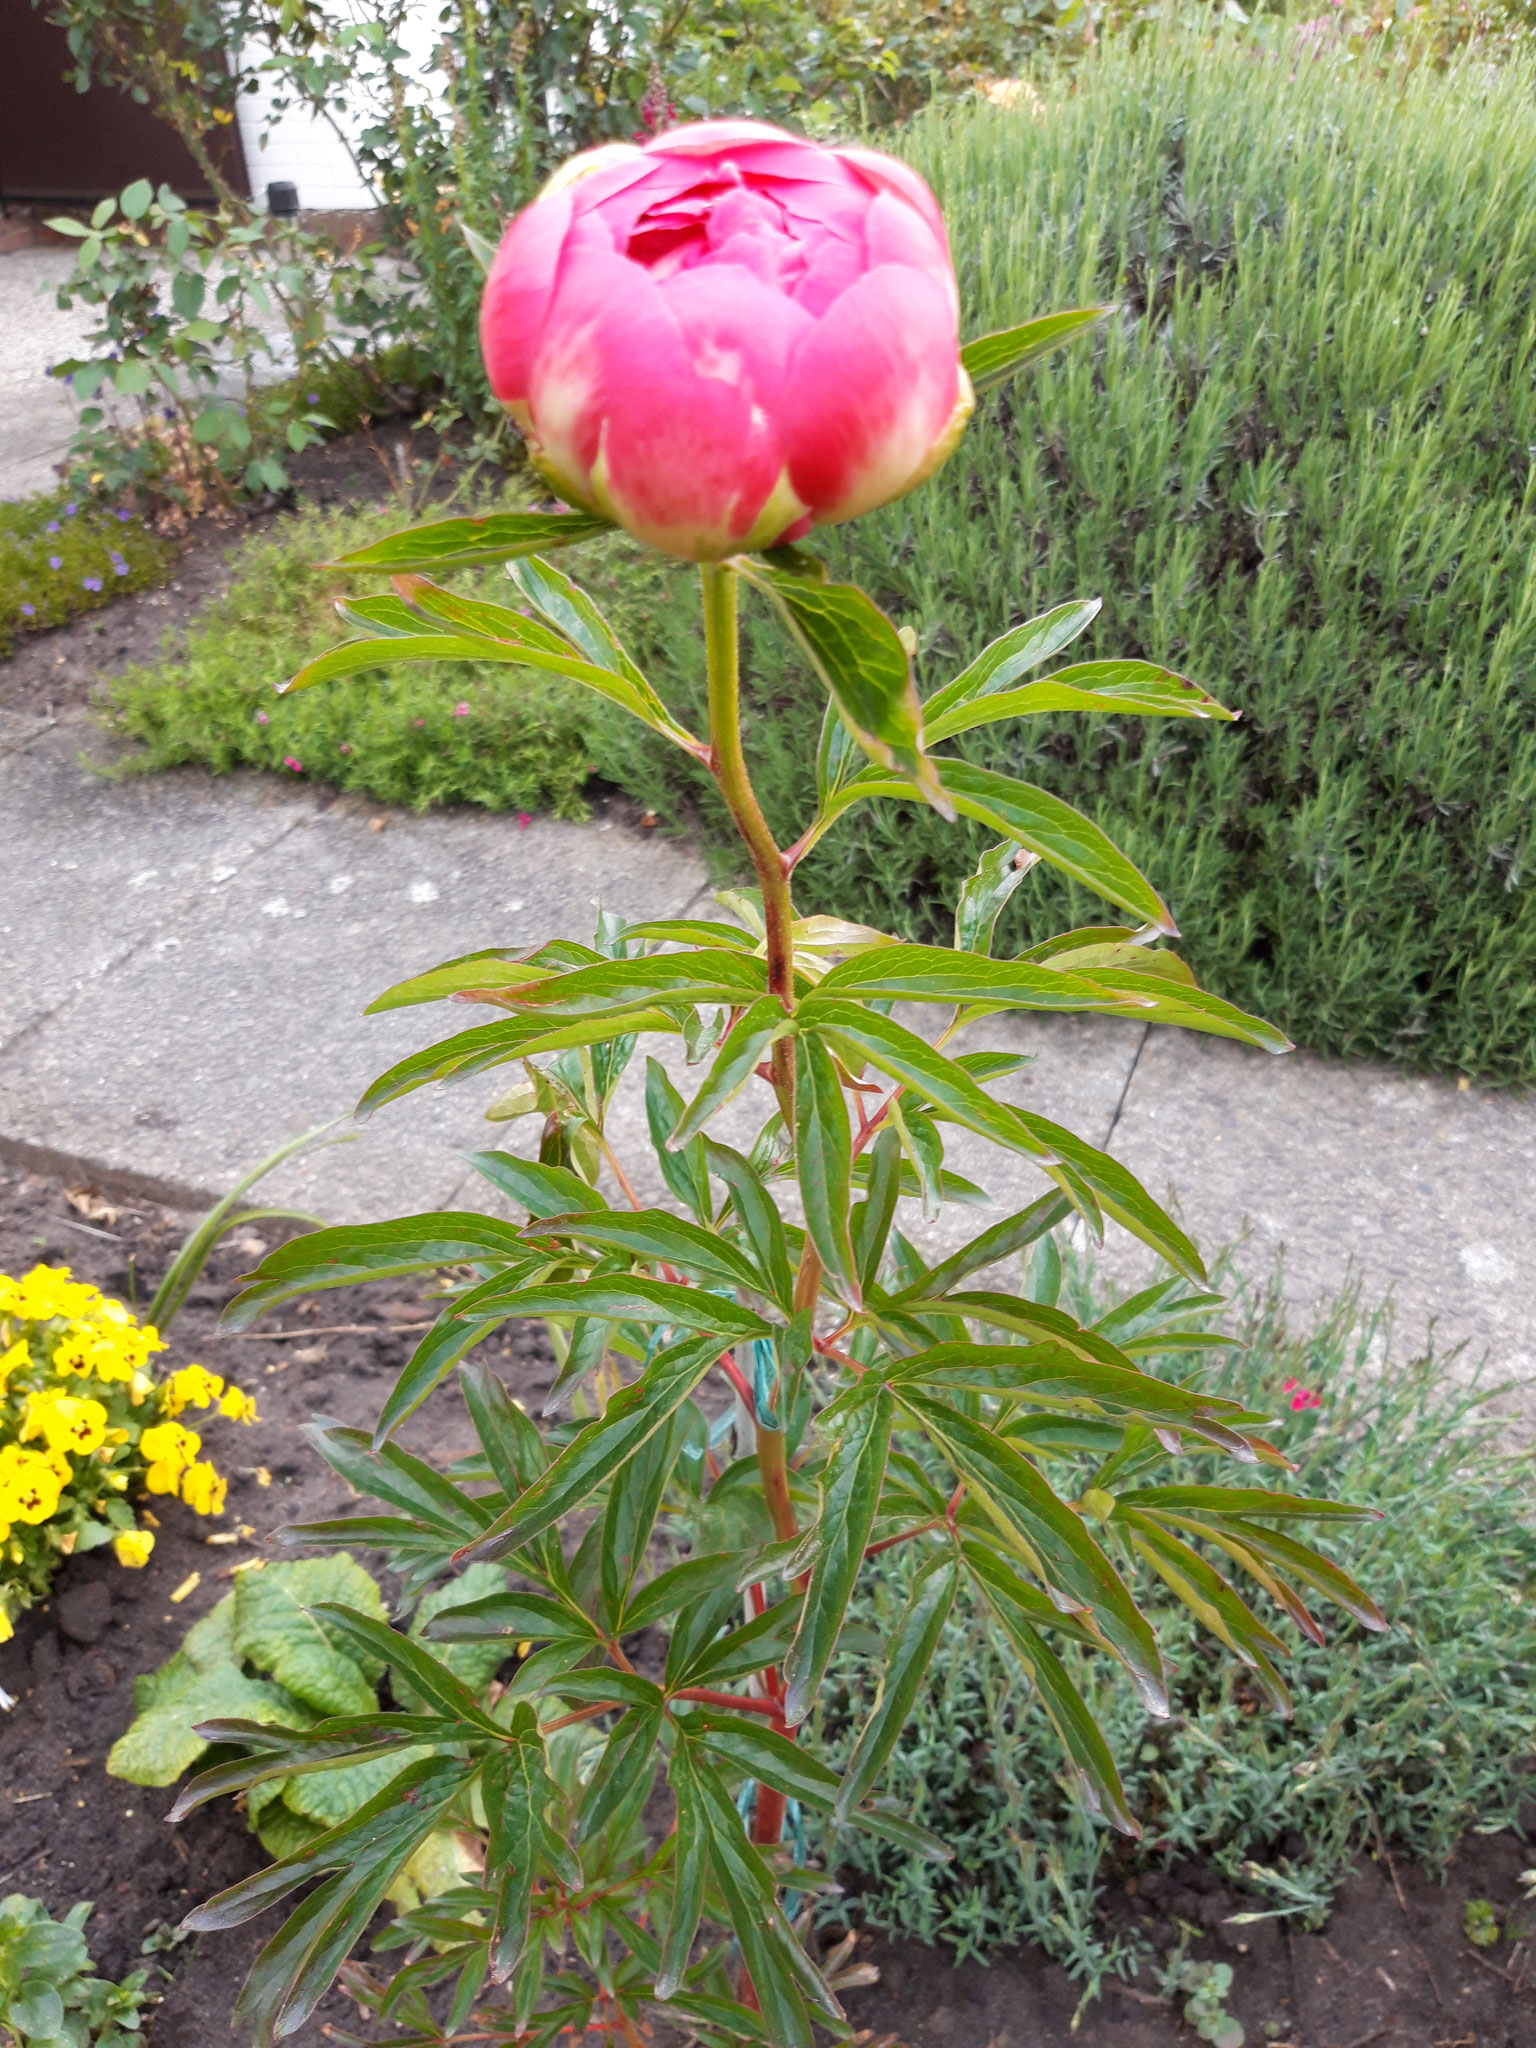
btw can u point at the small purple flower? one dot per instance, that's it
(53, 526)
(120, 568)
(29, 611)
(55, 561)
(314, 398)
(124, 516)
(91, 583)
(70, 511)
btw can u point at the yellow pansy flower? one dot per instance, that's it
(66, 1424)
(164, 1478)
(49, 1291)
(168, 1443)
(6, 1630)
(202, 1488)
(16, 1359)
(29, 1484)
(193, 1387)
(131, 1548)
(238, 1407)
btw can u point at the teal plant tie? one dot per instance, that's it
(764, 1370)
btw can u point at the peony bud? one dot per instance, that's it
(728, 336)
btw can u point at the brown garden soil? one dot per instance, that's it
(1393, 1968)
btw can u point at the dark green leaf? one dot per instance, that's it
(906, 1667)
(594, 1455)
(851, 1487)
(430, 1680)
(517, 1789)
(541, 1190)
(1078, 1730)
(685, 1582)
(1056, 1542)
(758, 1215)
(746, 1044)
(824, 1156)
(372, 1251)
(628, 1762)
(1000, 1242)
(685, 1171)
(659, 1236)
(1137, 688)
(690, 1869)
(772, 1759)
(430, 1364)
(870, 1224)
(512, 1615)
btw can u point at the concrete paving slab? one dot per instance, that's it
(37, 417)
(1408, 1184)
(234, 1020)
(95, 868)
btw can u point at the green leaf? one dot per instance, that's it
(744, 1650)
(1079, 1732)
(936, 974)
(278, 1629)
(1135, 688)
(1058, 833)
(634, 1500)
(702, 974)
(906, 1666)
(682, 1583)
(1000, 1242)
(429, 1679)
(284, 1752)
(746, 1044)
(983, 894)
(658, 1235)
(136, 199)
(860, 658)
(406, 1482)
(870, 1224)
(492, 968)
(851, 1485)
(372, 1251)
(824, 1157)
(430, 1364)
(763, 1754)
(772, 1955)
(628, 1762)
(567, 608)
(690, 1870)
(630, 1298)
(684, 1171)
(465, 543)
(517, 1789)
(599, 1450)
(1056, 1542)
(503, 1617)
(758, 1215)
(991, 358)
(541, 1190)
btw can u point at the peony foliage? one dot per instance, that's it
(763, 1380)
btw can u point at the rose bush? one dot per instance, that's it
(729, 336)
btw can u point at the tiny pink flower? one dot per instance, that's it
(524, 820)
(262, 718)
(461, 711)
(418, 721)
(292, 761)
(346, 747)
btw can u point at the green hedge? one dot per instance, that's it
(1299, 466)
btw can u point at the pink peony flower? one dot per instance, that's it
(728, 336)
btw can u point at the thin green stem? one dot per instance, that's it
(728, 765)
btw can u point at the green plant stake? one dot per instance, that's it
(762, 1380)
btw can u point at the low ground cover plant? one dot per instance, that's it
(262, 1656)
(1413, 1737)
(48, 1996)
(453, 734)
(62, 555)
(87, 1430)
(776, 1384)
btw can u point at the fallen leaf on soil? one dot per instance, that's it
(188, 1585)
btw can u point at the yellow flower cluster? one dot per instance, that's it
(84, 1424)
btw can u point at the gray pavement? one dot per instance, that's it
(36, 415)
(187, 961)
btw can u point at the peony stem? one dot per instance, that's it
(729, 767)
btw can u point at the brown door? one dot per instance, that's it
(59, 144)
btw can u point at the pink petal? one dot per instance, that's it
(886, 174)
(870, 392)
(517, 295)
